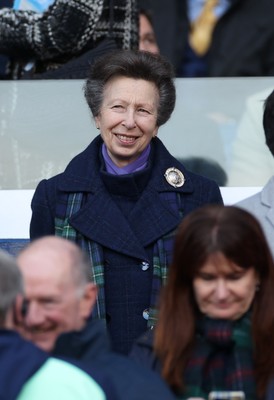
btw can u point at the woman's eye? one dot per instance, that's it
(236, 276)
(142, 110)
(206, 277)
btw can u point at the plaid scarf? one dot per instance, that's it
(73, 203)
(222, 358)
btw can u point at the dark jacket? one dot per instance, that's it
(82, 175)
(270, 391)
(142, 352)
(19, 361)
(242, 43)
(100, 222)
(131, 381)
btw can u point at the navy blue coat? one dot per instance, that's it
(19, 361)
(129, 241)
(131, 381)
(82, 175)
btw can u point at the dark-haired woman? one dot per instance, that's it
(216, 319)
(123, 197)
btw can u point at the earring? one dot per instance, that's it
(257, 287)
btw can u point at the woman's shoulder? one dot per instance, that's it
(195, 170)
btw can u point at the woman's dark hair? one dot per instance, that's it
(137, 65)
(148, 14)
(268, 121)
(208, 232)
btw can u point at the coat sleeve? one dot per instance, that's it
(206, 192)
(66, 28)
(43, 211)
(214, 194)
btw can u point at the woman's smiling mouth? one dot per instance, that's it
(126, 139)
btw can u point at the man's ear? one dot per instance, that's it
(89, 299)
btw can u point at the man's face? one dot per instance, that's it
(54, 304)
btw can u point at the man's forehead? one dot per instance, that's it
(50, 263)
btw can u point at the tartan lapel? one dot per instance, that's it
(73, 203)
(95, 252)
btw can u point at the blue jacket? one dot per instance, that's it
(91, 347)
(19, 361)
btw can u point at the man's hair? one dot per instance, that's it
(268, 121)
(80, 265)
(79, 262)
(11, 284)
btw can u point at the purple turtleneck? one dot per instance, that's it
(134, 166)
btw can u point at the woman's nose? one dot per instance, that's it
(129, 119)
(221, 289)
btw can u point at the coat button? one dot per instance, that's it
(145, 265)
(146, 314)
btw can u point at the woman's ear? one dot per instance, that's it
(155, 132)
(97, 122)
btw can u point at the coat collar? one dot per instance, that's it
(101, 220)
(87, 344)
(82, 173)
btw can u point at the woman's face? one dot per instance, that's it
(147, 38)
(127, 119)
(223, 289)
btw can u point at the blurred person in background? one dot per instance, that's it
(147, 39)
(216, 318)
(261, 204)
(80, 31)
(26, 372)
(215, 37)
(60, 297)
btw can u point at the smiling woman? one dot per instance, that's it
(127, 119)
(123, 197)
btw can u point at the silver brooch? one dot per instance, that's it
(174, 177)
